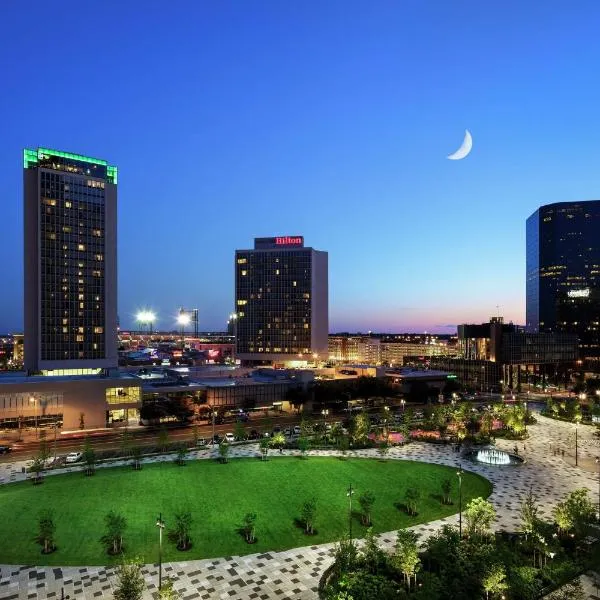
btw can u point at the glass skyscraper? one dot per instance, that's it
(281, 291)
(70, 221)
(563, 272)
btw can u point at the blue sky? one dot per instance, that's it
(332, 120)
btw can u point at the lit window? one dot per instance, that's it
(294, 283)
(243, 273)
(99, 257)
(80, 247)
(98, 330)
(241, 261)
(68, 205)
(276, 271)
(80, 338)
(242, 302)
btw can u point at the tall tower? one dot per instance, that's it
(70, 220)
(563, 272)
(281, 296)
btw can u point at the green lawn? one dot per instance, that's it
(218, 497)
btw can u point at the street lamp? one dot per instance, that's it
(183, 319)
(349, 494)
(459, 474)
(402, 403)
(598, 463)
(325, 412)
(161, 525)
(145, 317)
(33, 400)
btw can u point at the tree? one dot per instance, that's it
(130, 581)
(575, 512)
(278, 440)
(411, 498)
(366, 501)
(167, 591)
(306, 428)
(37, 468)
(223, 452)
(180, 534)
(359, 428)
(239, 431)
(163, 439)
(529, 514)
(308, 513)
(343, 445)
(181, 454)
(46, 530)
(479, 516)
(446, 491)
(406, 555)
(136, 456)
(345, 553)
(264, 445)
(195, 435)
(383, 449)
(88, 456)
(494, 580)
(249, 527)
(303, 446)
(113, 538)
(125, 443)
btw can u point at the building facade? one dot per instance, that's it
(281, 298)
(70, 228)
(563, 273)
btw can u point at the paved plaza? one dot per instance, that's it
(295, 573)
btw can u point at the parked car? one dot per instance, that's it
(201, 442)
(216, 439)
(229, 437)
(73, 457)
(253, 435)
(287, 432)
(5, 449)
(50, 462)
(297, 430)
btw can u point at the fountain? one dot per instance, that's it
(494, 457)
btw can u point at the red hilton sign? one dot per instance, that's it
(289, 241)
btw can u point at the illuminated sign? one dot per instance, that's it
(584, 293)
(289, 241)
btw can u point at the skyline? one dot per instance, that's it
(329, 122)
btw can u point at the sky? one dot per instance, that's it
(327, 119)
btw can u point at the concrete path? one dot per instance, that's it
(295, 573)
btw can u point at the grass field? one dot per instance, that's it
(218, 495)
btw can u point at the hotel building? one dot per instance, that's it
(281, 299)
(70, 219)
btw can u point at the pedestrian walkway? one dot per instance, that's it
(295, 573)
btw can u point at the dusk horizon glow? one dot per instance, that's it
(229, 122)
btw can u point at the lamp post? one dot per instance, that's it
(576, 447)
(349, 494)
(598, 463)
(459, 474)
(33, 400)
(526, 415)
(183, 319)
(214, 414)
(402, 403)
(161, 525)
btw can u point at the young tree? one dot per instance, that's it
(224, 452)
(373, 557)
(195, 435)
(308, 513)
(575, 512)
(46, 530)
(383, 449)
(529, 514)
(239, 432)
(343, 445)
(264, 446)
(446, 491)
(406, 555)
(181, 454)
(306, 427)
(89, 458)
(125, 443)
(167, 591)
(345, 554)
(303, 446)
(113, 538)
(37, 468)
(366, 501)
(278, 440)
(136, 458)
(412, 496)
(249, 527)
(163, 439)
(479, 516)
(180, 534)
(130, 583)
(494, 580)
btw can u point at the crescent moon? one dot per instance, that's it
(464, 149)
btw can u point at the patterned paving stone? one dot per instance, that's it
(295, 573)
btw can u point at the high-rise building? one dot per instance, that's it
(70, 219)
(563, 272)
(281, 298)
